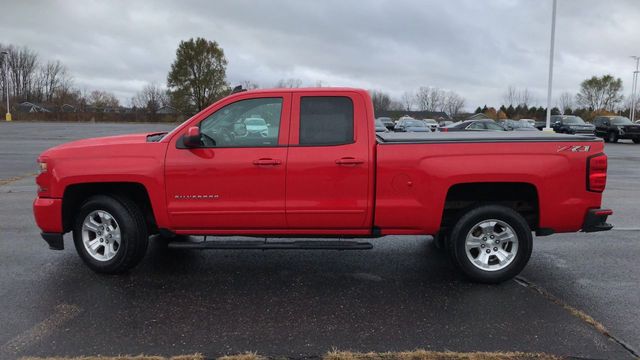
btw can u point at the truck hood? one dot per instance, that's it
(98, 142)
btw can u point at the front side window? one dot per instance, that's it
(245, 123)
(326, 120)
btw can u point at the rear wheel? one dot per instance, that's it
(613, 137)
(491, 243)
(636, 140)
(110, 234)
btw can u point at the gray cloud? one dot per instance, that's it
(476, 48)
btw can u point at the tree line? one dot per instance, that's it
(598, 95)
(197, 78)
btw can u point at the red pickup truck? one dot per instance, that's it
(307, 163)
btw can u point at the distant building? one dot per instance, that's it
(167, 110)
(67, 108)
(479, 116)
(30, 107)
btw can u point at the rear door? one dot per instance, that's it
(329, 181)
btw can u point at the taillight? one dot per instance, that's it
(444, 130)
(597, 172)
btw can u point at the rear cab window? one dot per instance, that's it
(326, 120)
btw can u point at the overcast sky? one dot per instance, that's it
(474, 47)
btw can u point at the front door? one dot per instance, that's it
(236, 180)
(329, 179)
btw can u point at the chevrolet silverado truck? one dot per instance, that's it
(318, 173)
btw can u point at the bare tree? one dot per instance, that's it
(289, 83)
(381, 101)
(514, 96)
(525, 97)
(151, 98)
(23, 64)
(565, 102)
(511, 96)
(249, 85)
(430, 99)
(454, 103)
(102, 99)
(407, 99)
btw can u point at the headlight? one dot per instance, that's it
(43, 166)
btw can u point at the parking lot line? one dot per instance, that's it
(62, 314)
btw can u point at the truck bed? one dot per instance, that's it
(469, 136)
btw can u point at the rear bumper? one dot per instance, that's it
(596, 220)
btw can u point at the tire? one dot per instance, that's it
(515, 250)
(613, 137)
(636, 140)
(115, 228)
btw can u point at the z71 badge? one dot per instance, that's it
(574, 148)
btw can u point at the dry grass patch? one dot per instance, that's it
(434, 355)
(245, 356)
(121, 357)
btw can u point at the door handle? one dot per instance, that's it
(267, 161)
(349, 161)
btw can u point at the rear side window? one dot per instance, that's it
(326, 120)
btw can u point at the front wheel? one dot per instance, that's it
(110, 234)
(636, 140)
(613, 137)
(491, 243)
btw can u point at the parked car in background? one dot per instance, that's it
(432, 124)
(380, 127)
(256, 126)
(444, 123)
(474, 125)
(518, 125)
(540, 124)
(411, 125)
(612, 128)
(571, 124)
(388, 122)
(530, 121)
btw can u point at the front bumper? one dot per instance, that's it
(596, 220)
(54, 240)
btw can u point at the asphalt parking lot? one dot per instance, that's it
(401, 295)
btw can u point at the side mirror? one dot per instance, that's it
(192, 138)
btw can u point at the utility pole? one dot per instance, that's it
(633, 89)
(553, 38)
(5, 54)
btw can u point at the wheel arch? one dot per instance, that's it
(522, 197)
(76, 194)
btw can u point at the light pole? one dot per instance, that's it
(553, 38)
(634, 85)
(6, 83)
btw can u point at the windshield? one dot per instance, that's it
(414, 123)
(430, 121)
(573, 120)
(621, 120)
(379, 123)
